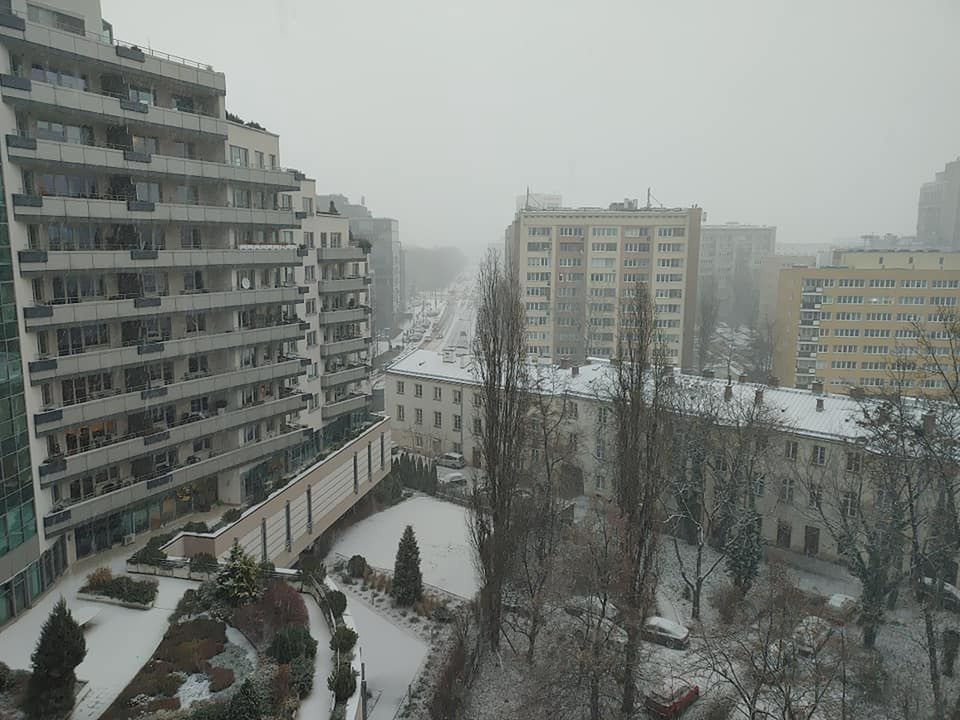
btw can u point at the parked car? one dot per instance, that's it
(665, 632)
(949, 594)
(455, 480)
(840, 608)
(580, 605)
(452, 460)
(671, 702)
(811, 634)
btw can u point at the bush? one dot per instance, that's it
(337, 602)
(220, 678)
(4, 676)
(301, 675)
(246, 704)
(721, 708)
(99, 577)
(209, 711)
(283, 605)
(726, 600)
(441, 614)
(150, 554)
(203, 562)
(280, 686)
(231, 516)
(290, 642)
(237, 581)
(123, 588)
(195, 526)
(343, 640)
(342, 682)
(357, 566)
(407, 580)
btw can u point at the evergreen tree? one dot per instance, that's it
(246, 703)
(434, 480)
(744, 552)
(238, 580)
(60, 649)
(407, 580)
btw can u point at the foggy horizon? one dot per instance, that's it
(820, 119)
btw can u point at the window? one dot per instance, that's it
(457, 423)
(273, 162)
(311, 306)
(418, 390)
(310, 273)
(400, 415)
(849, 505)
(815, 495)
(418, 416)
(196, 322)
(476, 399)
(258, 158)
(437, 392)
(477, 426)
(786, 490)
(819, 455)
(437, 419)
(54, 19)
(854, 461)
(791, 450)
(758, 486)
(312, 338)
(308, 239)
(457, 397)
(239, 156)
(399, 387)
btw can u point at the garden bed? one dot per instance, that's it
(103, 586)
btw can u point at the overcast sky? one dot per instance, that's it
(822, 117)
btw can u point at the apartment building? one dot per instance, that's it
(768, 282)
(574, 266)
(731, 259)
(433, 402)
(938, 210)
(853, 324)
(154, 279)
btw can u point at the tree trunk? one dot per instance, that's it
(697, 592)
(870, 635)
(532, 636)
(594, 695)
(629, 664)
(938, 710)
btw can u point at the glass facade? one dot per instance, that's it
(17, 593)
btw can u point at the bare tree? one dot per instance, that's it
(763, 344)
(500, 363)
(708, 312)
(552, 456)
(723, 446)
(639, 394)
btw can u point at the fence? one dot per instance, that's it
(426, 586)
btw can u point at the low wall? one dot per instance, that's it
(93, 597)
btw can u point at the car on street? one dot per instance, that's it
(672, 701)
(452, 460)
(949, 594)
(811, 634)
(665, 632)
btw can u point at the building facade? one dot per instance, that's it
(854, 324)
(814, 444)
(158, 361)
(768, 283)
(731, 260)
(938, 210)
(574, 266)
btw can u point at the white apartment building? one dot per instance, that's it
(433, 402)
(574, 266)
(154, 261)
(731, 258)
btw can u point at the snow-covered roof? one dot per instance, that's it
(798, 409)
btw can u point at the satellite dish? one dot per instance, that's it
(245, 283)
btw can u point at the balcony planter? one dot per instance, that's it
(142, 302)
(134, 106)
(149, 348)
(131, 53)
(137, 156)
(144, 254)
(141, 206)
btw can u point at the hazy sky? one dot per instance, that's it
(821, 117)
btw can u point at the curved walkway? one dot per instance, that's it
(316, 706)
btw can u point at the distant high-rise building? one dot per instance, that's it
(938, 210)
(730, 259)
(574, 266)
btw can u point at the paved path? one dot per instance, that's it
(316, 706)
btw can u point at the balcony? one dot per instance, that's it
(133, 446)
(346, 375)
(342, 347)
(40, 316)
(87, 510)
(47, 369)
(110, 209)
(93, 48)
(42, 261)
(358, 314)
(350, 252)
(351, 403)
(358, 283)
(33, 95)
(37, 153)
(131, 402)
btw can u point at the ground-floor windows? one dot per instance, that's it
(19, 592)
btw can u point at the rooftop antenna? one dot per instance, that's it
(650, 196)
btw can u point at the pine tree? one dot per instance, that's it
(60, 649)
(246, 703)
(744, 552)
(418, 483)
(238, 580)
(407, 580)
(434, 480)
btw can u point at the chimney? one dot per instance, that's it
(929, 424)
(574, 371)
(857, 393)
(758, 396)
(727, 393)
(709, 374)
(819, 404)
(817, 387)
(742, 377)
(564, 363)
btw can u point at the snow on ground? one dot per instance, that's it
(195, 687)
(392, 656)
(446, 558)
(317, 703)
(235, 637)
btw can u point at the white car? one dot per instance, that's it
(665, 632)
(451, 460)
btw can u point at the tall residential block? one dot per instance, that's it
(938, 210)
(155, 265)
(575, 264)
(855, 323)
(731, 257)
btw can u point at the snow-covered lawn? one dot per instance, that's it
(446, 558)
